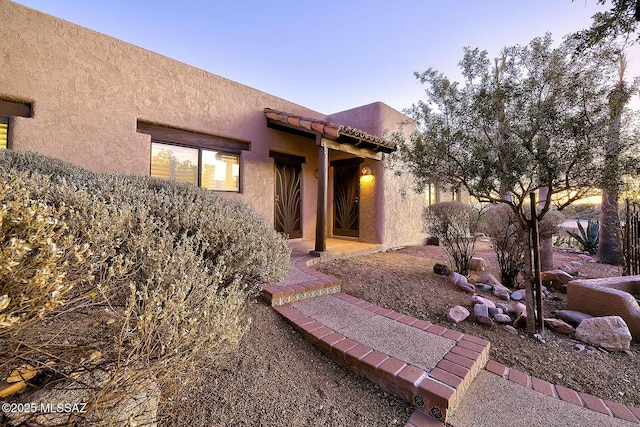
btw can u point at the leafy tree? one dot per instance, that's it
(531, 120)
(621, 21)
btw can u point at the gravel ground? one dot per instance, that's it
(403, 280)
(277, 378)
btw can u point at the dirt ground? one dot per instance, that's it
(403, 280)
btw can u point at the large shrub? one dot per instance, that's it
(167, 266)
(451, 223)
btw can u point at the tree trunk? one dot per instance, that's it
(609, 244)
(529, 298)
(546, 244)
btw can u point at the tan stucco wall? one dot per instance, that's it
(398, 216)
(89, 90)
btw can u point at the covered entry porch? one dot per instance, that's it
(355, 160)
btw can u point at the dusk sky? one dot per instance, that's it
(328, 55)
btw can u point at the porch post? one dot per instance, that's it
(323, 182)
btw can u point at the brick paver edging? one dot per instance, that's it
(585, 400)
(436, 392)
(322, 285)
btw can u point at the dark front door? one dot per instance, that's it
(346, 200)
(287, 199)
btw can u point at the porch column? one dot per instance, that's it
(323, 183)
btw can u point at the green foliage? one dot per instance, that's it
(620, 21)
(451, 223)
(172, 264)
(501, 225)
(588, 239)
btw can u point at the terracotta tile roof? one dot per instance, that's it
(330, 130)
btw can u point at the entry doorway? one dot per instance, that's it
(346, 197)
(287, 195)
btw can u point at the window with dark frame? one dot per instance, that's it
(8, 110)
(213, 170)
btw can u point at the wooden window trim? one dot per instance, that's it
(15, 109)
(188, 138)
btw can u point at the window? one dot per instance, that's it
(4, 132)
(209, 169)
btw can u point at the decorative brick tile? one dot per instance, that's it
(455, 369)
(469, 354)
(519, 377)
(437, 329)
(357, 353)
(453, 335)
(497, 368)
(476, 340)
(436, 392)
(390, 368)
(317, 334)
(328, 341)
(635, 411)
(543, 387)
(409, 377)
(472, 346)
(446, 377)
(372, 360)
(407, 320)
(595, 403)
(394, 315)
(384, 311)
(621, 411)
(568, 395)
(340, 348)
(460, 360)
(422, 324)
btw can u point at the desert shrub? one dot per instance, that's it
(587, 239)
(451, 224)
(502, 227)
(169, 265)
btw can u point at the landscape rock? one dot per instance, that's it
(490, 279)
(477, 264)
(569, 269)
(518, 295)
(495, 310)
(555, 278)
(576, 263)
(502, 292)
(481, 313)
(572, 317)
(461, 282)
(609, 332)
(511, 329)
(558, 325)
(502, 318)
(441, 269)
(458, 313)
(477, 299)
(506, 308)
(520, 309)
(484, 287)
(586, 258)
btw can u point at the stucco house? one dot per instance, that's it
(106, 105)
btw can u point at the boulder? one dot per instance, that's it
(490, 279)
(572, 317)
(586, 258)
(609, 332)
(510, 329)
(481, 313)
(502, 318)
(498, 289)
(477, 299)
(555, 278)
(483, 287)
(441, 269)
(458, 313)
(477, 264)
(569, 269)
(518, 295)
(520, 309)
(461, 282)
(506, 308)
(558, 325)
(494, 311)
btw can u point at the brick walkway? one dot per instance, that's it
(445, 374)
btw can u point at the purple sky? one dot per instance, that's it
(328, 55)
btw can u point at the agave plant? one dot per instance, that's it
(589, 238)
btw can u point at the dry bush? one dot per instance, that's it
(451, 223)
(163, 268)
